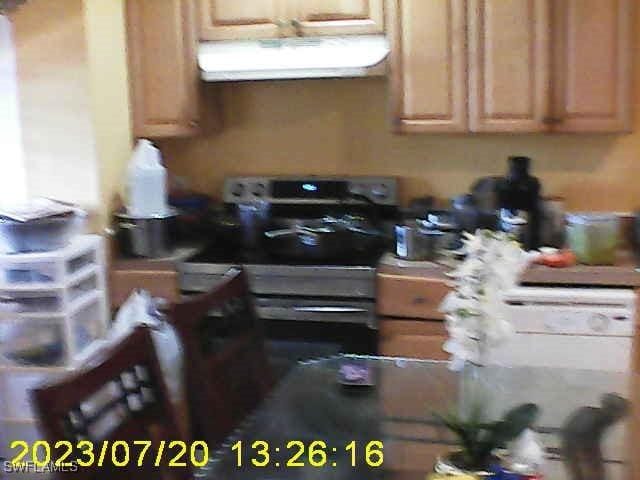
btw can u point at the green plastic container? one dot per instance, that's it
(593, 237)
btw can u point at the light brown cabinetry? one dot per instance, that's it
(531, 65)
(509, 74)
(251, 19)
(163, 71)
(338, 17)
(241, 19)
(592, 65)
(429, 65)
(410, 297)
(411, 324)
(412, 339)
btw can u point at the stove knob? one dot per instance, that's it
(258, 189)
(599, 322)
(380, 191)
(237, 189)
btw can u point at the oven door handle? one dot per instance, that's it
(330, 309)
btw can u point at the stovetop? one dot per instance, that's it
(221, 254)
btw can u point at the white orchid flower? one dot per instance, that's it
(475, 311)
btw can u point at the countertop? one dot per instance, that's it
(622, 274)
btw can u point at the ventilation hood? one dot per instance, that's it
(292, 58)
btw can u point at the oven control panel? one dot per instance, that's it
(311, 190)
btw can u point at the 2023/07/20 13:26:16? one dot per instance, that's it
(299, 454)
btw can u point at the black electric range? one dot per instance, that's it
(311, 308)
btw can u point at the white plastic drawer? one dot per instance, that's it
(32, 342)
(87, 325)
(30, 273)
(25, 431)
(16, 386)
(57, 269)
(11, 302)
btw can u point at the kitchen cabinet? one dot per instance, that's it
(509, 70)
(338, 17)
(592, 65)
(410, 297)
(411, 324)
(241, 19)
(530, 65)
(163, 70)
(429, 65)
(412, 339)
(251, 19)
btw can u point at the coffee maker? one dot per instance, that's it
(518, 195)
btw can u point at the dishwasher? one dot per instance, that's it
(579, 328)
(585, 338)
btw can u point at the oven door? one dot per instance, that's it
(303, 329)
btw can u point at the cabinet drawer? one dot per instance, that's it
(413, 339)
(410, 297)
(414, 346)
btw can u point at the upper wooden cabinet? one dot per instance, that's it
(531, 65)
(338, 17)
(163, 71)
(250, 19)
(429, 65)
(509, 73)
(592, 65)
(241, 19)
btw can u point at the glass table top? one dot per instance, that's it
(346, 422)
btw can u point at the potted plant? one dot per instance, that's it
(480, 441)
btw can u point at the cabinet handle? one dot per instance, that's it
(419, 300)
(551, 120)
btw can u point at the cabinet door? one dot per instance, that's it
(592, 50)
(339, 17)
(163, 70)
(429, 65)
(240, 19)
(509, 83)
(413, 339)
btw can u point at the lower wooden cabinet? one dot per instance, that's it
(410, 297)
(412, 339)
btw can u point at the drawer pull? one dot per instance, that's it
(419, 300)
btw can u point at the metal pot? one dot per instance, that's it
(148, 237)
(414, 242)
(320, 239)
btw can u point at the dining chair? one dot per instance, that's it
(228, 373)
(120, 397)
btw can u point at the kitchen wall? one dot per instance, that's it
(54, 101)
(73, 100)
(13, 183)
(108, 83)
(341, 127)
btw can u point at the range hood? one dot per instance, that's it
(292, 58)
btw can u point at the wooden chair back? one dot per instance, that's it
(228, 372)
(121, 397)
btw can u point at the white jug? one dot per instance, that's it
(147, 182)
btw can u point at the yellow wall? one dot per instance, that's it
(341, 127)
(106, 45)
(54, 101)
(73, 100)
